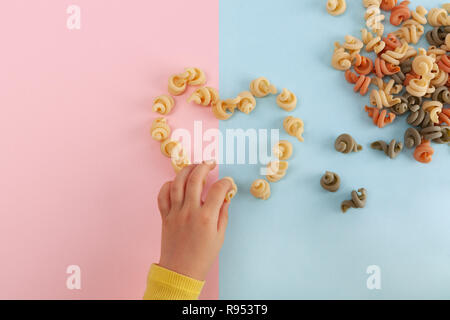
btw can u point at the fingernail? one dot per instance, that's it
(210, 162)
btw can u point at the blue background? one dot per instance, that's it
(298, 245)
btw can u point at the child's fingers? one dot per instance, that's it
(178, 186)
(223, 219)
(164, 199)
(196, 181)
(216, 196)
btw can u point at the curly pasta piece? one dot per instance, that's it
(434, 108)
(352, 44)
(358, 200)
(431, 133)
(247, 102)
(392, 150)
(423, 64)
(380, 117)
(178, 163)
(170, 148)
(383, 97)
(232, 193)
(401, 107)
(396, 56)
(374, 19)
(346, 144)
(341, 60)
(204, 96)
(412, 138)
(444, 64)
(424, 152)
(440, 79)
(160, 130)
(436, 37)
(400, 13)
(163, 104)
(283, 150)
(438, 17)
(411, 31)
(419, 118)
(387, 5)
(383, 68)
(419, 15)
(196, 77)
(286, 100)
(418, 87)
(336, 7)
(261, 87)
(363, 65)
(361, 82)
(445, 136)
(444, 117)
(330, 181)
(371, 42)
(368, 3)
(260, 189)
(277, 170)
(178, 83)
(294, 127)
(224, 109)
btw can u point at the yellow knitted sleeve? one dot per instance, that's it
(163, 284)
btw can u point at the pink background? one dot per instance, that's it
(79, 171)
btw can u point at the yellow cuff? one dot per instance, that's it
(163, 284)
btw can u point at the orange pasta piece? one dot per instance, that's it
(380, 118)
(409, 77)
(363, 65)
(400, 13)
(361, 82)
(444, 64)
(391, 42)
(444, 116)
(387, 5)
(383, 68)
(424, 152)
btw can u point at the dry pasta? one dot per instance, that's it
(374, 17)
(247, 102)
(224, 109)
(204, 96)
(283, 150)
(261, 87)
(392, 150)
(287, 100)
(412, 138)
(336, 7)
(330, 181)
(163, 104)
(438, 17)
(346, 144)
(341, 59)
(260, 189)
(276, 170)
(160, 129)
(358, 200)
(294, 127)
(232, 193)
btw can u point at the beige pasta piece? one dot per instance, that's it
(260, 189)
(336, 7)
(372, 43)
(294, 127)
(411, 31)
(341, 59)
(160, 129)
(178, 163)
(396, 56)
(438, 17)
(196, 77)
(178, 83)
(247, 102)
(352, 44)
(287, 100)
(419, 15)
(170, 147)
(283, 150)
(204, 96)
(368, 3)
(374, 18)
(276, 170)
(261, 87)
(232, 193)
(224, 109)
(163, 104)
(423, 64)
(434, 108)
(446, 6)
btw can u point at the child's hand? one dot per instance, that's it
(192, 230)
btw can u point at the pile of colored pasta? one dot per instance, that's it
(402, 80)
